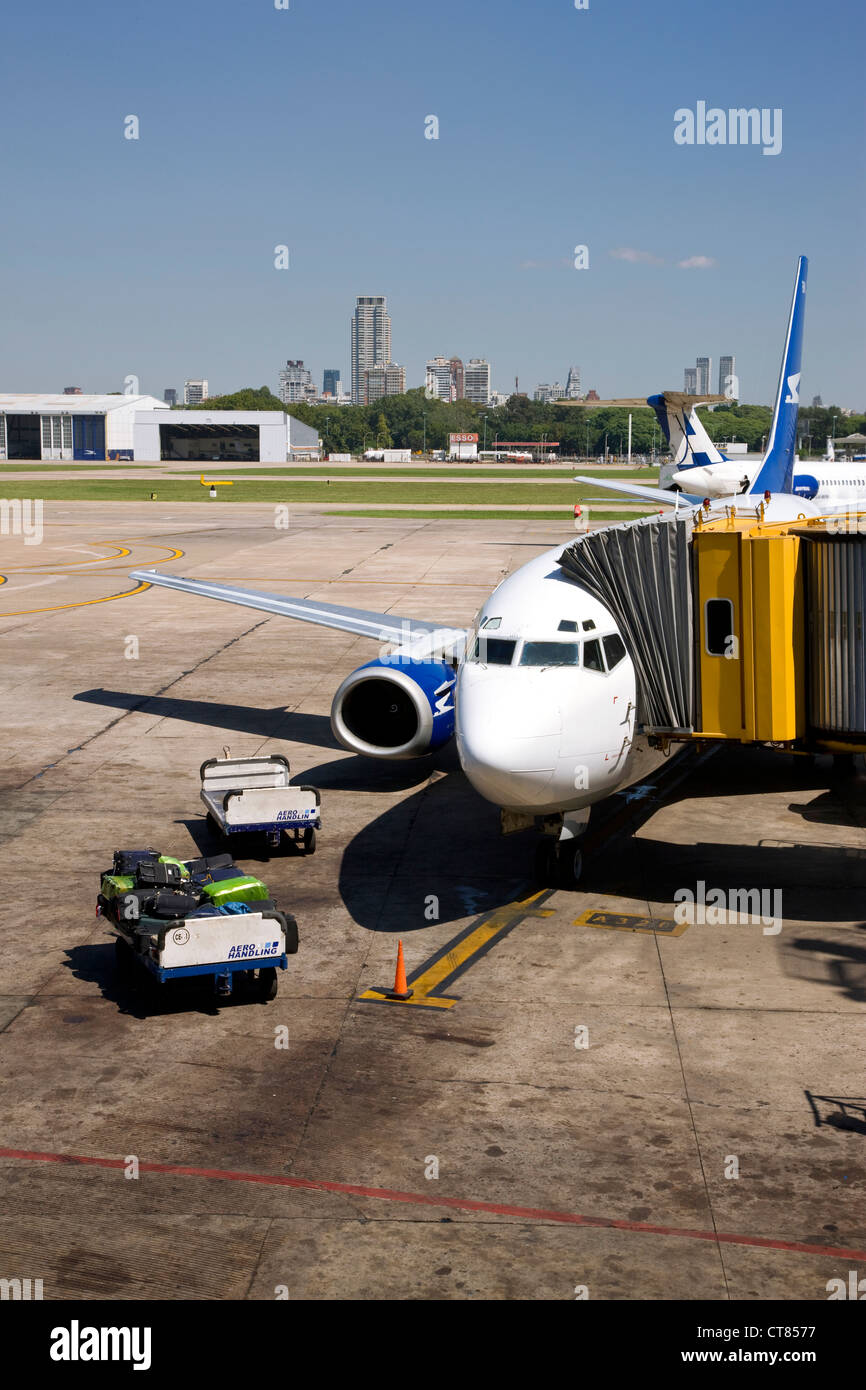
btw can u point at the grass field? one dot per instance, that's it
(385, 493)
(443, 473)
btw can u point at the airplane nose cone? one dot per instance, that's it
(507, 741)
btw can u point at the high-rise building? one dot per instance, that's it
(690, 381)
(296, 383)
(385, 380)
(458, 379)
(438, 379)
(476, 377)
(547, 393)
(572, 384)
(704, 367)
(371, 340)
(194, 392)
(332, 384)
(727, 371)
(445, 379)
(169, 395)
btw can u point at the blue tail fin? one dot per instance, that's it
(777, 468)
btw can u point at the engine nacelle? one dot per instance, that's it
(395, 709)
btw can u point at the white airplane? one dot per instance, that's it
(699, 466)
(540, 692)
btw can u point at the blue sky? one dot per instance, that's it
(305, 127)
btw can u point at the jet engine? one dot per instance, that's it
(395, 709)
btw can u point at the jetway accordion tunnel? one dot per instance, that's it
(739, 628)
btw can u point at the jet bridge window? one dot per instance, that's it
(719, 625)
(493, 651)
(550, 654)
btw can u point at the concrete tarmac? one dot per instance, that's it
(643, 1115)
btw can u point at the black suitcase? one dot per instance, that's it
(206, 866)
(156, 875)
(167, 904)
(127, 860)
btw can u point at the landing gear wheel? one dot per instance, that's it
(569, 863)
(267, 983)
(308, 840)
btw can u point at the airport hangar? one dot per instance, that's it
(112, 428)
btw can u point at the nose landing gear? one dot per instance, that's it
(558, 863)
(559, 852)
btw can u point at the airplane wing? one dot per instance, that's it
(646, 494)
(419, 637)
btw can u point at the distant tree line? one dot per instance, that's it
(411, 421)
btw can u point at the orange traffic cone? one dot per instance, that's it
(401, 989)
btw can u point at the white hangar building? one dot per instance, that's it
(111, 428)
(71, 426)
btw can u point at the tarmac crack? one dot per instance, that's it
(143, 702)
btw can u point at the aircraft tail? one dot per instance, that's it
(776, 472)
(690, 445)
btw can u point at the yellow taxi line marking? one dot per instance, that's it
(174, 554)
(457, 955)
(86, 603)
(120, 551)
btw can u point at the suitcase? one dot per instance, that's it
(241, 889)
(206, 866)
(126, 860)
(157, 875)
(166, 904)
(219, 875)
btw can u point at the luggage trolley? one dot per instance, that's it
(254, 796)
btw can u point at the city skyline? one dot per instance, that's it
(685, 245)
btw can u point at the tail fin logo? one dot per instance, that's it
(793, 396)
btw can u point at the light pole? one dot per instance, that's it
(586, 437)
(327, 418)
(424, 445)
(484, 422)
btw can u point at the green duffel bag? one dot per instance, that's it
(243, 889)
(115, 885)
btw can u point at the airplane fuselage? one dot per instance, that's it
(545, 697)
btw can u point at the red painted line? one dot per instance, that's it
(455, 1203)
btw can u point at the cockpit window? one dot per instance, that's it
(493, 651)
(491, 622)
(567, 626)
(614, 650)
(588, 625)
(592, 657)
(550, 654)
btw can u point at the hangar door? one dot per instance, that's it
(23, 437)
(88, 437)
(210, 443)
